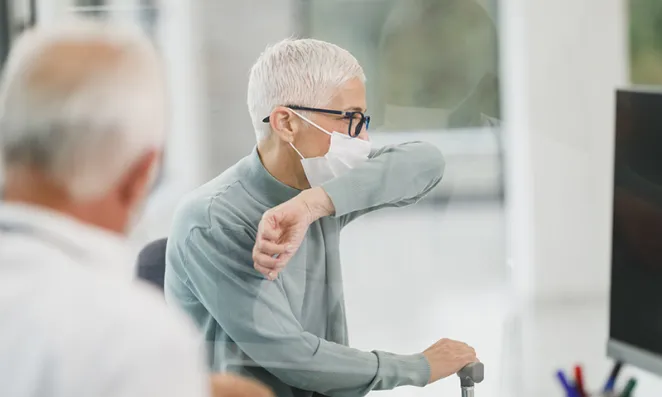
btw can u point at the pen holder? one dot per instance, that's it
(602, 394)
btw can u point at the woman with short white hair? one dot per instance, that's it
(312, 172)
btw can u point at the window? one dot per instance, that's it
(145, 12)
(15, 16)
(645, 41)
(91, 8)
(430, 64)
(5, 33)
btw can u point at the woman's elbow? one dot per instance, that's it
(430, 159)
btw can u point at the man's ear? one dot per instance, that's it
(284, 123)
(138, 179)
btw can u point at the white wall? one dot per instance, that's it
(180, 39)
(235, 33)
(562, 61)
(49, 11)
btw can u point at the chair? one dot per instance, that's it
(152, 262)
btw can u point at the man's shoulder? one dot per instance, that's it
(82, 313)
(127, 328)
(95, 338)
(136, 314)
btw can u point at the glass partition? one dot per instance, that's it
(431, 64)
(433, 74)
(645, 17)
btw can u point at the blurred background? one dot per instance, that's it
(512, 252)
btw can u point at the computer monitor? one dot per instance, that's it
(635, 326)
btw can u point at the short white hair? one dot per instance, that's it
(81, 102)
(304, 72)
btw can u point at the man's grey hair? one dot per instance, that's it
(304, 72)
(81, 103)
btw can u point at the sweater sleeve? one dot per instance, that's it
(256, 315)
(393, 176)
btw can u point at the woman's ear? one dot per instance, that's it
(284, 124)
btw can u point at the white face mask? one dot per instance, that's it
(344, 154)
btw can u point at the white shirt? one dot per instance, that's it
(72, 325)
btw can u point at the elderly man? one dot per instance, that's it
(314, 164)
(82, 127)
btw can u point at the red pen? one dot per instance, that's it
(579, 381)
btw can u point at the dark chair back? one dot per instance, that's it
(152, 262)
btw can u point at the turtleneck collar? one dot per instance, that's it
(263, 186)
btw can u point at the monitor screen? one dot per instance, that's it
(635, 328)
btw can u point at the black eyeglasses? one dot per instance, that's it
(352, 116)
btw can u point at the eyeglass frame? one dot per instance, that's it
(365, 119)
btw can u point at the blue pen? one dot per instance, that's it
(569, 390)
(611, 381)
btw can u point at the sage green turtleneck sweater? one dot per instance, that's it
(290, 333)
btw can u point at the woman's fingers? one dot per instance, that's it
(267, 232)
(268, 273)
(271, 248)
(267, 261)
